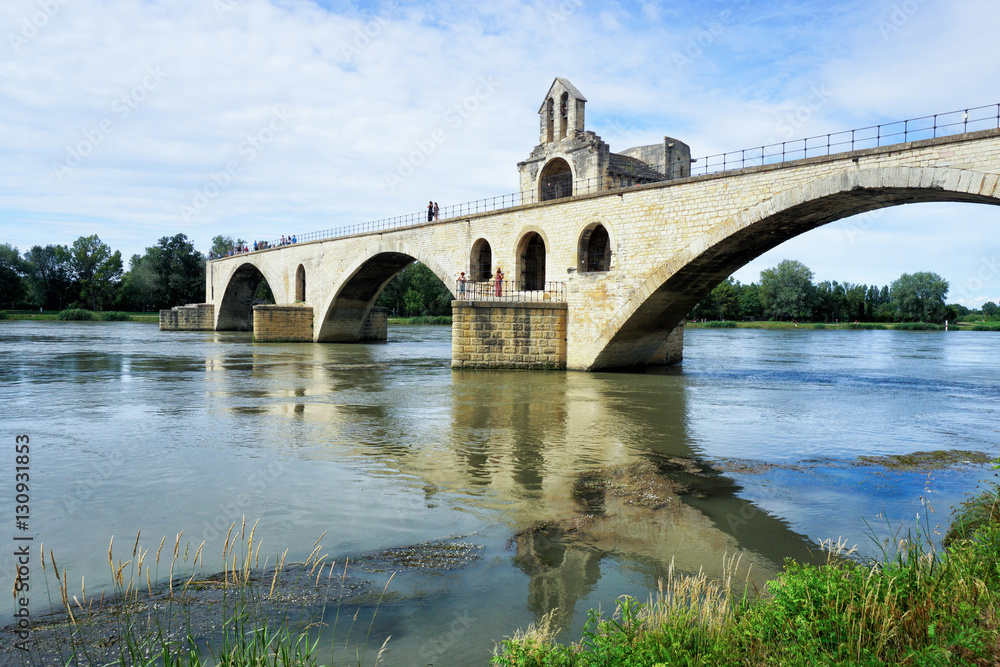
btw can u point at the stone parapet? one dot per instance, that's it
(491, 334)
(192, 317)
(282, 324)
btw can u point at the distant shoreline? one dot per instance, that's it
(898, 326)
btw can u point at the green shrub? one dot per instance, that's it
(865, 325)
(76, 314)
(3, 314)
(986, 327)
(115, 316)
(917, 326)
(422, 319)
(724, 324)
(819, 325)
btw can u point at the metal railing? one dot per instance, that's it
(874, 136)
(510, 290)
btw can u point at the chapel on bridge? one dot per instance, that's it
(571, 160)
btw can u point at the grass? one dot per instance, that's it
(716, 324)
(916, 605)
(917, 326)
(986, 327)
(103, 316)
(162, 611)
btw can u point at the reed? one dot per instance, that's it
(252, 616)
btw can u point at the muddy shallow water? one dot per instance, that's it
(567, 489)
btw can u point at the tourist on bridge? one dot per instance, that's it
(498, 282)
(461, 285)
(430, 211)
(436, 210)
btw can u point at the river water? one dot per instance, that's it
(382, 446)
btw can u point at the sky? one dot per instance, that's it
(138, 119)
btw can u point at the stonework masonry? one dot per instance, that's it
(490, 334)
(282, 324)
(192, 317)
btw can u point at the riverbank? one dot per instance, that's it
(915, 605)
(899, 326)
(94, 316)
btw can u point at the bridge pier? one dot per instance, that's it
(510, 334)
(192, 317)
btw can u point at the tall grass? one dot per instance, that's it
(864, 325)
(916, 605)
(917, 326)
(717, 324)
(155, 611)
(115, 316)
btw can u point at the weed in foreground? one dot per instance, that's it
(162, 611)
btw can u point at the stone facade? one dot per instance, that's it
(192, 317)
(282, 324)
(570, 160)
(492, 334)
(376, 327)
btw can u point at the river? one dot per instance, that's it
(382, 446)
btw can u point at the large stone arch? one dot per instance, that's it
(556, 179)
(638, 329)
(235, 312)
(342, 315)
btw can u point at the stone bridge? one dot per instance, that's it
(633, 260)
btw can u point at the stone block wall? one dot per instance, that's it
(376, 327)
(282, 324)
(192, 317)
(491, 334)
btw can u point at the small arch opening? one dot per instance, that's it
(556, 180)
(550, 120)
(595, 249)
(481, 261)
(300, 283)
(531, 262)
(563, 115)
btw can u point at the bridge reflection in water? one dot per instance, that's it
(576, 468)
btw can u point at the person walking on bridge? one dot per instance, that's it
(498, 282)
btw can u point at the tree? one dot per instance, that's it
(180, 271)
(919, 297)
(11, 272)
(221, 245)
(786, 290)
(96, 269)
(991, 311)
(416, 290)
(750, 306)
(139, 285)
(49, 276)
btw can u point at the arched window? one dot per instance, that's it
(595, 249)
(300, 283)
(556, 180)
(550, 120)
(480, 261)
(531, 262)
(563, 115)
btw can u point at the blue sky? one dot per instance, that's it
(136, 119)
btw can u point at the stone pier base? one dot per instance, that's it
(192, 317)
(492, 334)
(376, 327)
(282, 324)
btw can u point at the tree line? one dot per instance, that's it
(787, 292)
(88, 274)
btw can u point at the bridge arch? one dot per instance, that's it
(555, 180)
(594, 247)
(300, 283)
(480, 260)
(342, 315)
(236, 307)
(639, 327)
(532, 247)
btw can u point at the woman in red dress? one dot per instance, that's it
(498, 282)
